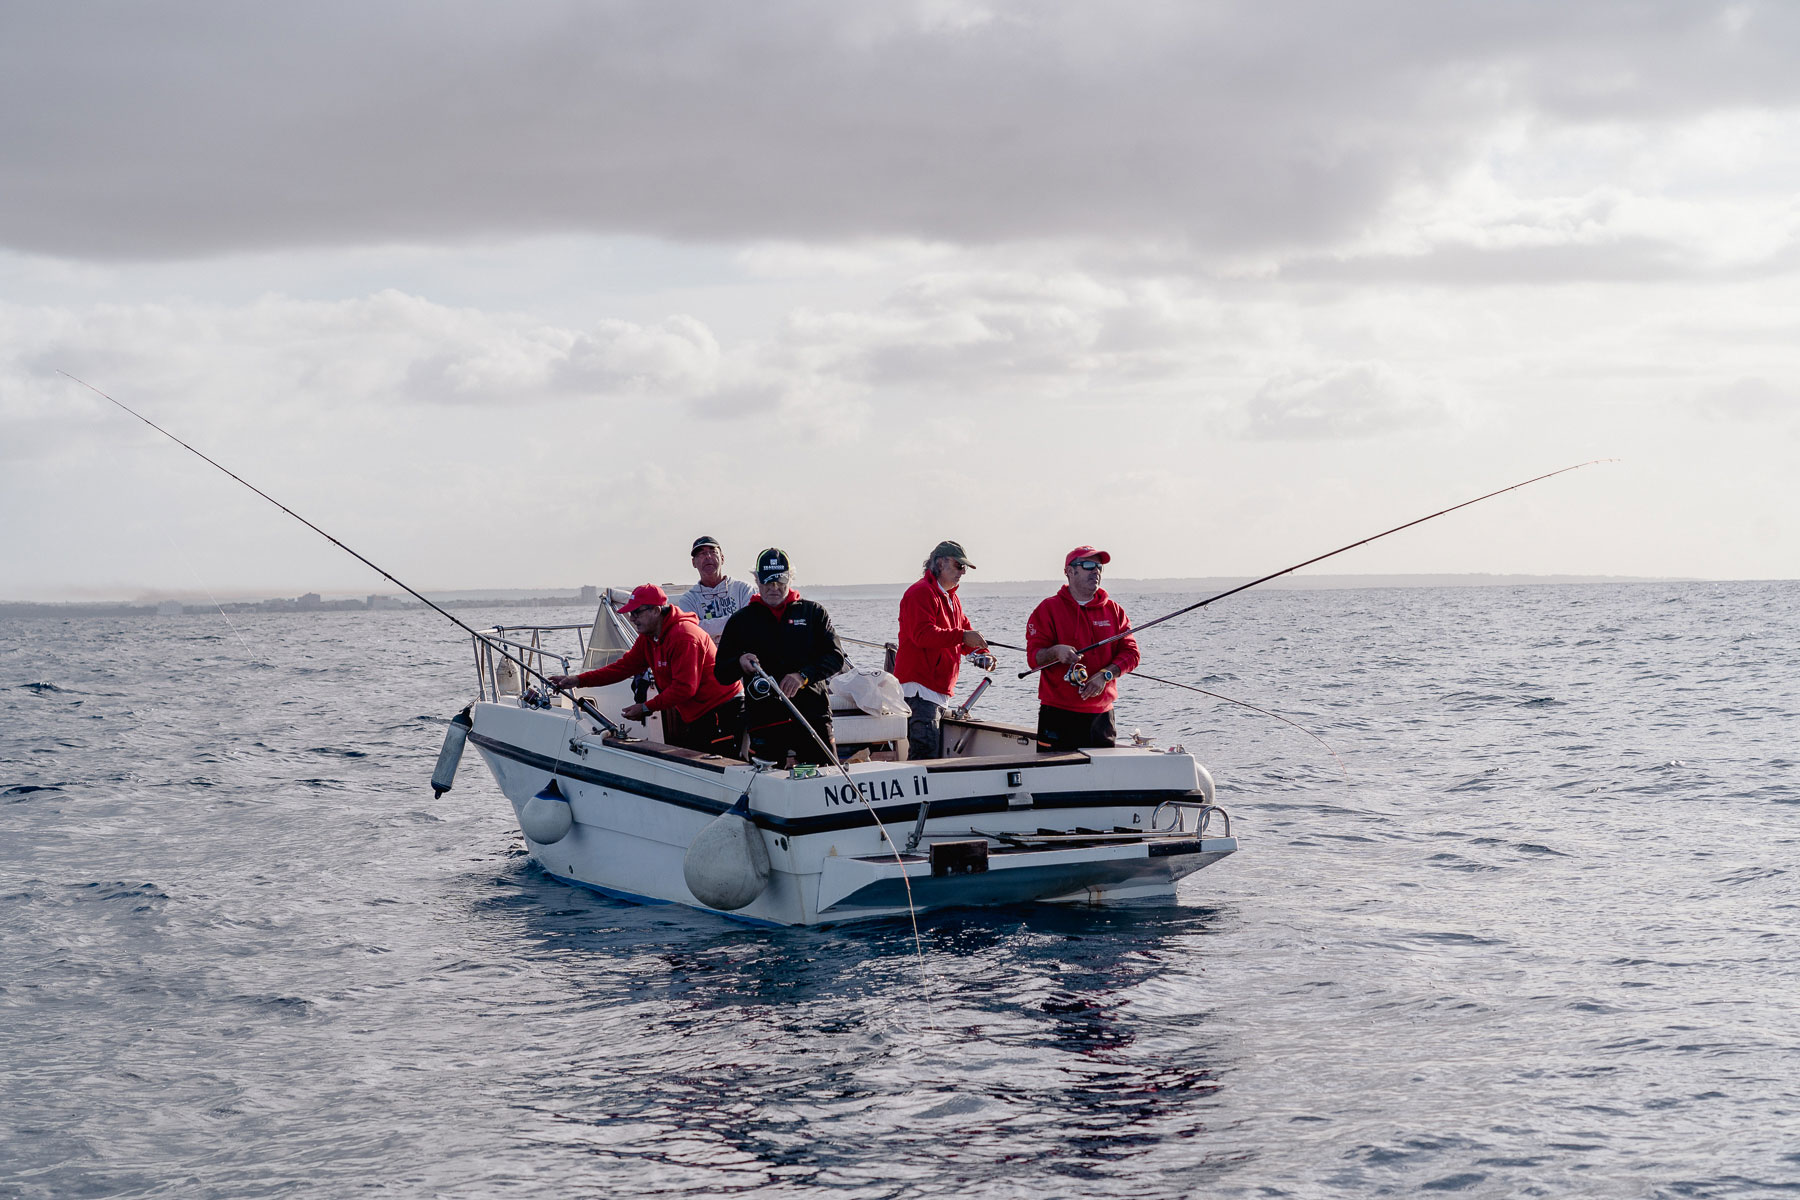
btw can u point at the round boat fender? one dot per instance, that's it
(546, 818)
(1203, 781)
(727, 864)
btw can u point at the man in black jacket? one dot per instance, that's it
(791, 640)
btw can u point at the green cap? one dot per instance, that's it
(953, 550)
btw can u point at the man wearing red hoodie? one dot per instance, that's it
(680, 655)
(1072, 713)
(934, 635)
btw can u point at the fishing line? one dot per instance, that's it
(1136, 629)
(1229, 700)
(1172, 683)
(831, 757)
(189, 563)
(584, 705)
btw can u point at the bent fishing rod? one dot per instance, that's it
(585, 705)
(1136, 629)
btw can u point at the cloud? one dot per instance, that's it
(1750, 399)
(206, 127)
(679, 354)
(1358, 400)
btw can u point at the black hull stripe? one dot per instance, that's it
(856, 817)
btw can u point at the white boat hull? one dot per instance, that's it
(1066, 828)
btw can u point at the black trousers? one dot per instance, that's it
(1059, 729)
(774, 732)
(924, 728)
(718, 730)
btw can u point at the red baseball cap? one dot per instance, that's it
(644, 596)
(1099, 556)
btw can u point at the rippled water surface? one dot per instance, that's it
(1541, 941)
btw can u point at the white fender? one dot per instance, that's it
(1203, 781)
(727, 864)
(444, 774)
(546, 818)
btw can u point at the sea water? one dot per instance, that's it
(1538, 937)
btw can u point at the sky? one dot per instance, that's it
(534, 294)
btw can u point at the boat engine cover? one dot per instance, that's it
(727, 864)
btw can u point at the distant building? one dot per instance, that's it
(590, 594)
(170, 608)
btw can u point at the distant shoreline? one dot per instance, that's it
(588, 597)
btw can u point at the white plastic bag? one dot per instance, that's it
(870, 689)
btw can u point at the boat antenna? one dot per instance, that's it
(1030, 669)
(585, 705)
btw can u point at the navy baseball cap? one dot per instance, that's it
(770, 563)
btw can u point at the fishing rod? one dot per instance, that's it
(1227, 699)
(866, 642)
(764, 685)
(1123, 633)
(585, 705)
(966, 705)
(986, 680)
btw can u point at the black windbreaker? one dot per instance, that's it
(800, 639)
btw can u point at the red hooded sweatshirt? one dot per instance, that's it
(682, 661)
(931, 629)
(1061, 621)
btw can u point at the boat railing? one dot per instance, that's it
(497, 672)
(1204, 811)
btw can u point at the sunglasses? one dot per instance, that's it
(1088, 564)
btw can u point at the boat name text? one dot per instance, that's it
(874, 790)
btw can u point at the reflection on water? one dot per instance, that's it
(758, 1056)
(1540, 942)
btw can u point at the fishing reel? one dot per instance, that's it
(759, 687)
(1077, 675)
(983, 662)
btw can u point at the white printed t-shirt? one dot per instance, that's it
(714, 605)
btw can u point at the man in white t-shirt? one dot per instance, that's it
(717, 595)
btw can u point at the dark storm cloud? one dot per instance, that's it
(171, 129)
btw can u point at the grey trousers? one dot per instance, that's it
(924, 736)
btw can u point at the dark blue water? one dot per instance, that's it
(1542, 941)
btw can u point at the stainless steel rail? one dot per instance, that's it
(1205, 810)
(496, 675)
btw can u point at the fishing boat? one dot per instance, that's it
(992, 822)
